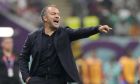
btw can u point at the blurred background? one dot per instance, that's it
(112, 58)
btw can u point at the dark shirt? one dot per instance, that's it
(49, 61)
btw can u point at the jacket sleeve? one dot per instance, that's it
(75, 34)
(24, 58)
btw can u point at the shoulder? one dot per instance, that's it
(66, 29)
(35, 33)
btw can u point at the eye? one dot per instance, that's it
(53, 13)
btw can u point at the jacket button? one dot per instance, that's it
(48, 60)
(48, 68)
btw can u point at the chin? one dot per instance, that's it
(56, 26)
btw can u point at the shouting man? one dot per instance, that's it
(50, 48)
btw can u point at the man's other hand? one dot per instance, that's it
(27, 80)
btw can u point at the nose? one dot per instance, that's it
(57, 16)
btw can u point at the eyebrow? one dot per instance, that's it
(55, 12)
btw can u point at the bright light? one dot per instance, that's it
(6, 32)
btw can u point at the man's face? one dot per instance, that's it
(52, 17)
(7, 44)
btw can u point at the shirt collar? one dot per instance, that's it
(43, 31)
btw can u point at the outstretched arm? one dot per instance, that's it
(86, 32)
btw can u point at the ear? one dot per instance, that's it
(45, 18)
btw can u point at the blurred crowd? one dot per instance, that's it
(92, 69)
(28, 10)
(125, 70)
(122, 15)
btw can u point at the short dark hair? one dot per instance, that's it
(43, 12)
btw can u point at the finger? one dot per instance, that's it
(107, 27)
(110, 28)
(105, 31)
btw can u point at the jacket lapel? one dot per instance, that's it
(56, 38)
(39, 41)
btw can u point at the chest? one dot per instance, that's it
(60, 41)
(47, 43)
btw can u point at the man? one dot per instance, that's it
(53, 62)
(128, 68)
(90, 68)
(96, 70)
(9, 69)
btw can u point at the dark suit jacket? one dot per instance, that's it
(62, 42)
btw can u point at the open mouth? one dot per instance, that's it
(56, 21)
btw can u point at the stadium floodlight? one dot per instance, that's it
(6, 32)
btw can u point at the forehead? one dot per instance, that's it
(52, 9)
(7, 40)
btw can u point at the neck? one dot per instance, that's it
(49, 30)
(7, 53)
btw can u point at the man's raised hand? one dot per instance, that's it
(104, 28)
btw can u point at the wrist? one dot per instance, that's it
(98, 28)
(27, 80)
